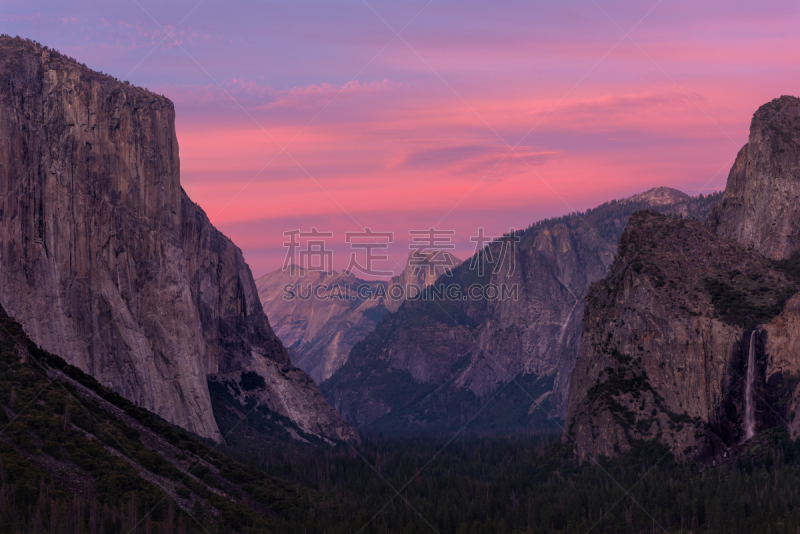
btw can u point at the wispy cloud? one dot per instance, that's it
(257, 96)
(474, 159)
(316, 95)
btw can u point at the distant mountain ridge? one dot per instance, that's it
(319, 331)
(433, 365)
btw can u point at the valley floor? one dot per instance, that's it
(533, 485)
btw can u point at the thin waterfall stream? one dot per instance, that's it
(749, 404)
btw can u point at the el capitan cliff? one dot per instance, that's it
(107, 262)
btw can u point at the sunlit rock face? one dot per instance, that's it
(108, 263)
(318, 329)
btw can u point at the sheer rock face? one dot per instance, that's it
(105, 260)
(761, 205)
(664, 352)
(781, 338)
(467, 349)
(422, 269)
(654, 361)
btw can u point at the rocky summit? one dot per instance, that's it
(761, 205)
(107, 262)
(692, 338)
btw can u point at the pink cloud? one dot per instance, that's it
(429, 152)
(252, 94)
(416, 138)
(315, 96)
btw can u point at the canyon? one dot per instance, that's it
(501, 365)
(659, 317)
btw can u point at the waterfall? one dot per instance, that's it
(749, 404)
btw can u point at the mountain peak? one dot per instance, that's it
(782, 113)
(422, 269)
(760, 208)
(660, 196)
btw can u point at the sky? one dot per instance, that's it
(452, 115)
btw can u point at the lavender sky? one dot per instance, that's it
(299, 114)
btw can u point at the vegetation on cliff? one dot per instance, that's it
(76, 455)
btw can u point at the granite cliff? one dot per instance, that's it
(108, 263)
(436, 363)
(761, 205)
(686, 311)
(422, 269)
(664, 351)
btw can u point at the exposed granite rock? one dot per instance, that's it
(663, 196)
(320, 330)
(319, 316)
(668, 333)
(781, 370)
(422, 269)
(107, 262)
(761, 205)
(457, 353)
(665, 341)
